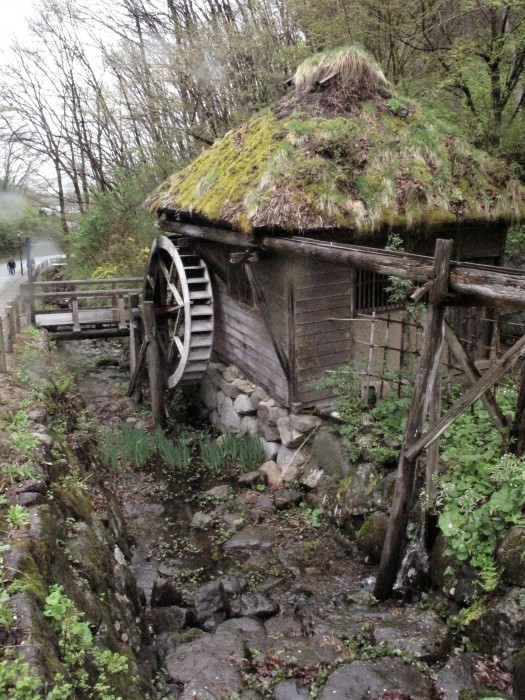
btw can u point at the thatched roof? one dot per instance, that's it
(341, 151)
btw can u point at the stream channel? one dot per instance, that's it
(249, 592)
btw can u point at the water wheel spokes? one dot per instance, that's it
(178, 283)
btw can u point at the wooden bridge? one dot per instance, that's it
(79, 309)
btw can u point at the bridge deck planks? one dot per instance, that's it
(55, 319)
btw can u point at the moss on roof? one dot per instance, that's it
(342, 151)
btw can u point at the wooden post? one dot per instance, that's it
(3, 361)
(425, 379)
(122, 313)
(156, 375)
(134, 353)
(517, 433)
(30, 280)
(74, 314)
(11, 330)
(16, 313)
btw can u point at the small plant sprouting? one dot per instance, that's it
(17, 517)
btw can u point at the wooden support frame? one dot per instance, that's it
(423, 388)
(155, 372)
(473, 375)
(471, 395)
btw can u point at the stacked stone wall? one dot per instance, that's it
(234, 404)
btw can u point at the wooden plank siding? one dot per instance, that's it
(322, 293)
(241, 338)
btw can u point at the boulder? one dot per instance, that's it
(304, 422)
(228, 416)
(251, 538)
(272, 472)
(510, 557)
(230, 389)
(208, 667)
(466, 672)
(500, 629)
(371, 536)
(420, 633)
(289, 436)
(361, 680)
(254, 605)
(251, 479)
(290, 690)
(249, 425)
(208, 391)
(268, 412)
(327, 453)
(290, 458)
(269, 433)
(270, 449)
(209, 600)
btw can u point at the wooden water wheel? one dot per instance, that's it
(178, 284)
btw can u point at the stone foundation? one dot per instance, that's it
(234, 404)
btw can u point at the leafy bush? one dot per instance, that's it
(79, 651)
(481, 494)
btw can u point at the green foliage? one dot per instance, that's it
(17, 516)
(481, 494)
(114, 236)
(388, 416)
(241, 452)
(17, 680)
(515, 245)
(79, 651)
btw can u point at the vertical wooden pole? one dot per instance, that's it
(11, 330)
(74, 315)
(30, 280)
(393, 548)
(16, 312)
(3, 361)
(517, 432)
(156, 375)
(135, 341)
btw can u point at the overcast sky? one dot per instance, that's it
(13, 15)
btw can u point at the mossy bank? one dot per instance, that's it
(70, 611)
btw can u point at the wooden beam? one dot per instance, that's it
(423, 387)
(473, 375)
(93, 294)
(471, 395)
(475, 284)
(87, 283)
(220, 235)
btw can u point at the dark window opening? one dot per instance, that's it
(372, 292)
(239, 287)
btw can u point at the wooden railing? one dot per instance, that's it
(83, 304)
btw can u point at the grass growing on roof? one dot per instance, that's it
(344, 154)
